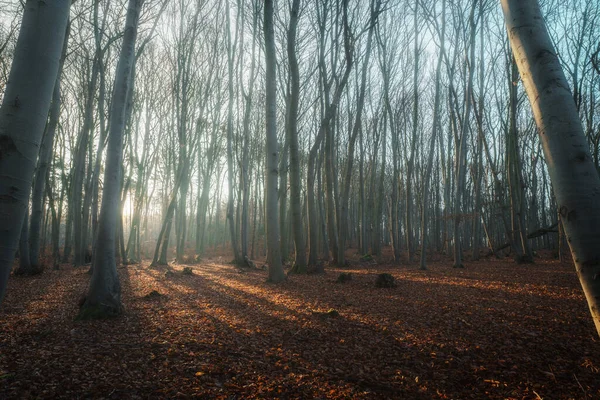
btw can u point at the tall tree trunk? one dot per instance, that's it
(380, 194)
(572, 171)
(55, 226)
(434, 132)
(23, 116)
(292, 131)
(162, 243)
(343, 225)
(328, 116)
(276, 273)
(461, 150)
(478, 173)
(283, 195)
(104, 294)
(413, 141)
(513, 165)
(77, 180)
(330, 209)
(230, 174)
(245, 167)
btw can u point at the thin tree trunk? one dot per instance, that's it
(434, 133)
(413, 141)
(104, 294)
(479, 156)
(461, 151)
(343, 225)
(292, 131)
(230, 174)
(276, 273)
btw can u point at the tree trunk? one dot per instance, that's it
(276, 273)
(292, 131)
(478, 174)
(230, 174)
(23, 116)
(434, 133)
(574, 176)
(413, 141)
(104, 294)
(343, 225)
(461, 150)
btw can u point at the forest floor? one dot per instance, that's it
(494, 330)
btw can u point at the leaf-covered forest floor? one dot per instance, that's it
(493, 330)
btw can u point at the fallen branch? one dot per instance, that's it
(533, 235)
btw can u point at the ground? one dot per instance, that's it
(494, 330)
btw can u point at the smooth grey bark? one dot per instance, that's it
(23, 115)
(572, 171)
(276, 273)
(104, 294)
(292, 131)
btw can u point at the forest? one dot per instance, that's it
(300, 199)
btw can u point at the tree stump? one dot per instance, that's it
(385, 281)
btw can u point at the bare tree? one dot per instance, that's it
(104, 294)
(276, 273)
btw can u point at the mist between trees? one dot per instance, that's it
(384, 123)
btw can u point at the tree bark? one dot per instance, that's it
(434, 133)
(230, 174)
(104, 295)
(292, 131)
(23, 116)
(574, 176)
(276, 273)
(461, 151)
